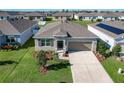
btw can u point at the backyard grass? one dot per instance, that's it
(47, 22)
(84, 23)
(111, 66)
(19, 66)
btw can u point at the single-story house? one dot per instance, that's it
(86, 16)
(120, 15)
(36, 16)
(63, 15)
(111, 32)
(14, 31)
(65, 36)
(110, 16)
(4, 16)
(9, 15)
(104, 16)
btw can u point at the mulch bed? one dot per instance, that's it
(99, 57)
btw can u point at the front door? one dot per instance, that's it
(60, 45)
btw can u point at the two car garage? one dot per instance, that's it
(79, 46)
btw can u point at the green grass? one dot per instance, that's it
(84, 23)
(111, 65)
(21, 67)
(47, 22)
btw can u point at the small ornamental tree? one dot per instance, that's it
(41, 58)
(42, 61)
(101, 48)
(116, 50)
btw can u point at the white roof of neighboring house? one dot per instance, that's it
(111, 14)
(114, 24)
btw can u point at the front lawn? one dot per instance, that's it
(20, 66)
(10, 59)
(111, 66)
(84, 23)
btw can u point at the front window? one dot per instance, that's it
(10, 39)
(43, 42)
(46, 42)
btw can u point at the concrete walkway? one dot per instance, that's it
(87, 69)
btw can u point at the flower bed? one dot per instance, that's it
(9, 47)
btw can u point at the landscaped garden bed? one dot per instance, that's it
(45, 60)
(9, 47)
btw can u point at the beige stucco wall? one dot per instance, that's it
(66, 41)
(45, 48)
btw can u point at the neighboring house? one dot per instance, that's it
(36, 16)
(15, 15)
(4, 16)
(120, 16)
(65, 36)
(104, 16)
(111, 32)
(110, 16)
(63, 15)
(9, 15)
(14, 31)
(86, 16)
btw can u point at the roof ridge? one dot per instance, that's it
(49, 25)
(13, 26)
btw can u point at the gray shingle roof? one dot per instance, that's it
(60, 32)
(65, 28)
(117, 24)
(15, 27)
(87, 14)
(34, 14)
(62, 14)
(111, 14)
(4, 14)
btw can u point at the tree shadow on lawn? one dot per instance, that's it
(29, 43)
(7, 62)
(58, 66)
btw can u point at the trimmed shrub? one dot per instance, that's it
(30, 18)
(15, 47)
(48, 19)
(108, 53)
(99, 20)
(116, 50)
(69, 19)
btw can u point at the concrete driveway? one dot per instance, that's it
(87, 69)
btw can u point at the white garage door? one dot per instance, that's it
(79, 46)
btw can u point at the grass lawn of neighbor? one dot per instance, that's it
(20, 66)
(47, 22)
(111, 65)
